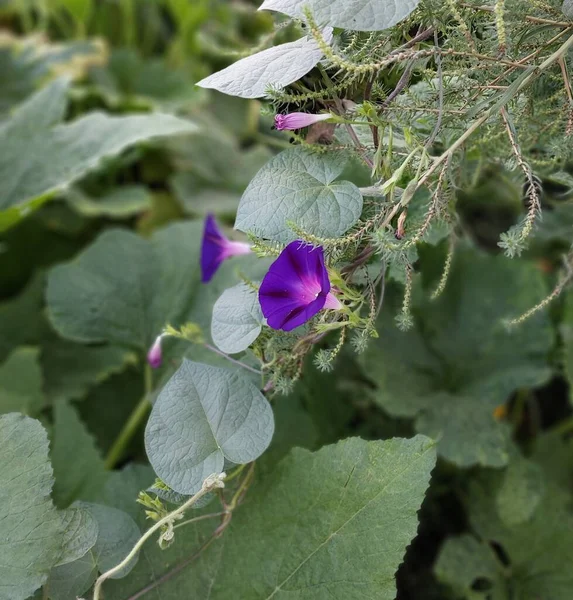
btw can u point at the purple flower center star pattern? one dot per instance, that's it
(296, 287)
(298, 120)
(216, 248)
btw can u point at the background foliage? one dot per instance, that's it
(111, 158)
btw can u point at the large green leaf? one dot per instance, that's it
(360, 15)
(78, 466)
(237, 319)
(123, 289)
(32, 529)
(203, 416)
(459, 363)
(71, 370)
(330, 524)
(300, 187)
(21, 383)
(35, 132)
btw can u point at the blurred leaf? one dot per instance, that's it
(32, 529)
(151, 81)
(80, 534)
(70, 581)
(464, 563)
(21, 383)
(96, 298)
(299, 186)
(359, 15)
(21, 318)
(312, 527)
(70, 370)
(119, 203)
(78, 467)
(35, 131)
(520, 492)
(237, 319)
(202, 416)
(459, 362)
(276, 67)
(27, 62)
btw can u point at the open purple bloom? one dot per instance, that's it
(296, 287)
(154, 357)
(298, 120)
(215, 248)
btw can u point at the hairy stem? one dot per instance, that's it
(210, 483)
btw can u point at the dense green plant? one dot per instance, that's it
(365, 396)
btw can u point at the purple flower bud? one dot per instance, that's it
(296, 287)
(154, 357)
(298, 120)
(215, 248)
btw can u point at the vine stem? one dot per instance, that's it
(210, 483)
(133, 423)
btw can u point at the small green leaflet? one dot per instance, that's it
(298, 186)
(35, 132)
(359, 15)
(98, 298)
(275, 67)
(32, 529)
(203, 416)
(237, 319)
(81, 531)
(331, 524)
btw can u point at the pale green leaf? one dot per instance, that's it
(276, 67)
(71, 370)
(298, 186)
(78, 466)
(80, 534)
(99, 298)
(237, 319)
(35, 131)
(359, 15)
(32, 529)
(203, 416)
(117, 534)
(21, 383)
(330, 524)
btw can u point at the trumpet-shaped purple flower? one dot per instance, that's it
(298, 120)
(215, 248)
(154, 357)
(296, 287)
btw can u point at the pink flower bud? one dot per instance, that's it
(298, 120)
(154, 357)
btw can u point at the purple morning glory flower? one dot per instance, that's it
(296, 287)
(154, 357)
(298, 120)
(215, 248)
